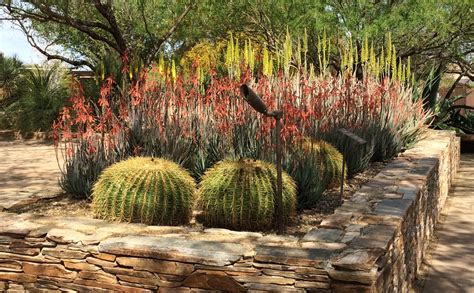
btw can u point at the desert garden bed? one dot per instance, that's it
(162, 152)
(66, 206)
(375, 241)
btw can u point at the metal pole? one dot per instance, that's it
(342, 175)
(279, 195)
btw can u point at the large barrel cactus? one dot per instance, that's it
(316, 165)
(240, 195)
(144, 190)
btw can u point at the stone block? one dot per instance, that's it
(153, 280)
(323, 235)
(292, 256)
(20, 250)
(64, 253)
(297, 276)
(10, 265)
(64, 236)
(17, 277)
(38, 258)
(113, 287)
(99, 276)
(357, 259)
(337, 287)
(149, 288)
(265, 280)
(80, 265)
(312, 285)
(354, 207)
(129, 272)
(260, 288)
(393, 207)
(156, 265)
(333, 246)
(105, 256)
(336, 221)
(213, 281)
(363, 277)
(100, 262)
(174, 248)
(52, 270)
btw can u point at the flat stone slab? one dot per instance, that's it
(292, 256)
(323, 235)
(393, 207)
(175, 248)
(357, 259)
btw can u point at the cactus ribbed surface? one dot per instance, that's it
(144, 190)
(240, 195)
(328, 157)
(317, 166)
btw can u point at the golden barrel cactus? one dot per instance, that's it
(240, 195)
(145, 190)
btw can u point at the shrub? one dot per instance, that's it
(315, 166)
(144, 190)
(44, 95)
(82, 169)
(239, 194)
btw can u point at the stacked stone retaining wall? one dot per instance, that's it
(374, 242)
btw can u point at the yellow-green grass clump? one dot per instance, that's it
(147, 190)
(240, 195)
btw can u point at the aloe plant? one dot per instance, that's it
(144, 190)
(239, 194)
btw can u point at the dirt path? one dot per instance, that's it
(28, 172)
(451, 264)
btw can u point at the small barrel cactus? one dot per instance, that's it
(144, 190)
(316, 166)
(329, 158)
(240, 195)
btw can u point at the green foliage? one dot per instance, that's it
(450, 116)
(82, 169)
(11, 79)
(44, 95)
(144, 190)
(239, 194)
(443, 29)
(11, 87)
(315, 166)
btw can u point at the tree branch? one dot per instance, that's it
(157, 45)
(49, 56)
(106, 11)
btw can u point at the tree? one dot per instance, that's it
(427, 31)
(131, 30)
(430, 32)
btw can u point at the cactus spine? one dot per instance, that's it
(239, 194)
(144, 190)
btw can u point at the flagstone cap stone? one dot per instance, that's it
(175, 248)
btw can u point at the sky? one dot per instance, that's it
(13, 42)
